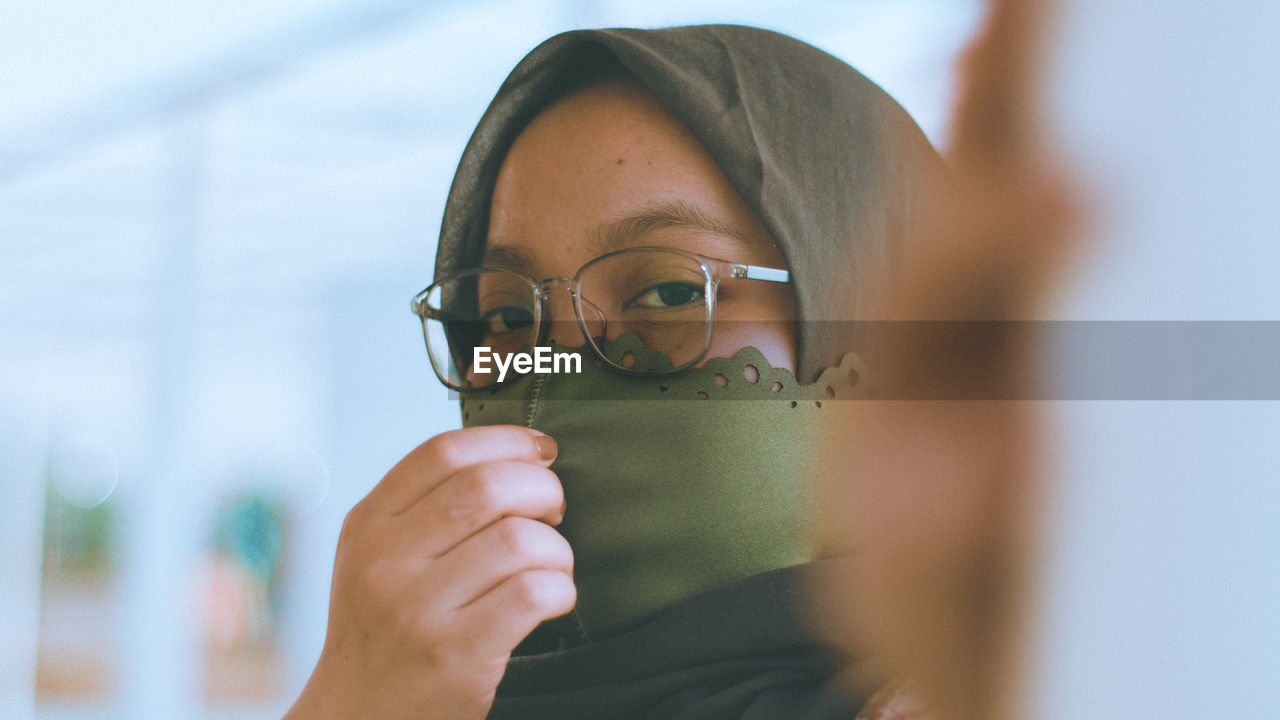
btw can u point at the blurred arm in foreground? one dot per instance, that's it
(937, 506)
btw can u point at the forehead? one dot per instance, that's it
(609, 157)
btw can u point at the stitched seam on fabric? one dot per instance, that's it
(535, 402)
(535, 398)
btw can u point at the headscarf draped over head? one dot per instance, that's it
(831, 164)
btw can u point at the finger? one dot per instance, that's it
(483, 561)
(995, 113)
(477, 496)
(502, 617)
(433, 461)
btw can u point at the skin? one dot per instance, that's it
(452, 559)
(613, 153)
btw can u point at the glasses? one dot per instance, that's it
(644, 311)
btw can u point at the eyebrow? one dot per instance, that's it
(671, 214)
(509, 257)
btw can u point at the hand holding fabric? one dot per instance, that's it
(441, 570)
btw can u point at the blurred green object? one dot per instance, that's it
(250, 528)
(77, 539)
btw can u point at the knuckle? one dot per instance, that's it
(448, 451)
(564, 553)
(547, 479)
(531, 592)
(565, 594)
(513, 533)
(480, 488)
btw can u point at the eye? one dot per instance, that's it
(506, 319)
(667, 295)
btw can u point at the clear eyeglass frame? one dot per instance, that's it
(713, 270)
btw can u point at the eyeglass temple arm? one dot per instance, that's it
(755, 272)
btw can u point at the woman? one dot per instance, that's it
(688, 209)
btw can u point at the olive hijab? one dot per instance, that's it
(833, 168)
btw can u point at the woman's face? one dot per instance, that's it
(608, 168)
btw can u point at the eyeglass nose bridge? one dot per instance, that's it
(545, 287)
(590, 319)
(570, 285)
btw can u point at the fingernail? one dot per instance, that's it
(547, 447)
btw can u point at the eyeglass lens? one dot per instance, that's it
(658, 297)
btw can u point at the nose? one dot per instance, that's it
(562, 325)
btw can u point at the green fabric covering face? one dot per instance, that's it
(674, 485)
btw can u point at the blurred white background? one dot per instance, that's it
(212, 218)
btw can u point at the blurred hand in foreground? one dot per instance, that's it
(934, 505)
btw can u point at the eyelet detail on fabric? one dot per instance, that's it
(712, 381)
